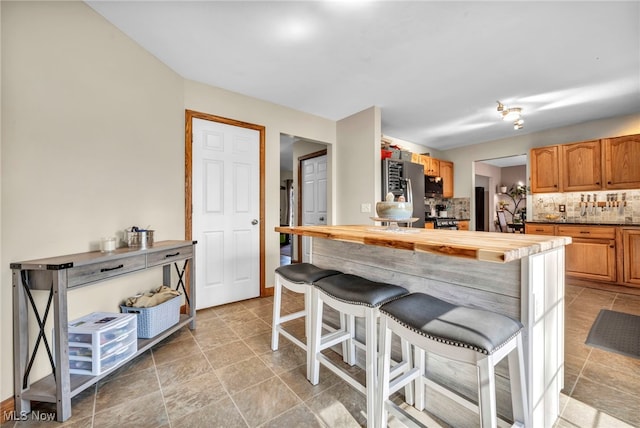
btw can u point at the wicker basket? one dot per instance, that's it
(156, 319)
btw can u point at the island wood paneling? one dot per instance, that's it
(495, 287)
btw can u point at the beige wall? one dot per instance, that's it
(358, 166)
(93, 142)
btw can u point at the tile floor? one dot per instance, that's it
(224, 374)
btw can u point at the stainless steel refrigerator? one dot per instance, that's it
(395, 174)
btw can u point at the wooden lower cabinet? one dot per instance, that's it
(539, 229)
(591, 259)
(463, 225)
(602, 254)
(592, 253)
(631, 256)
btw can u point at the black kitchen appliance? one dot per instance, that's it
(444, 222)
(433, 186)
(395, 174)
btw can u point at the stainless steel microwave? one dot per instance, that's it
(432, 186)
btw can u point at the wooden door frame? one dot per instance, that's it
(299, 208)
(188, 179)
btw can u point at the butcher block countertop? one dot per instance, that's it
(483, 246)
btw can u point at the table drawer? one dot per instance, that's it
(600, 232)
(169, 256)
(81, 275)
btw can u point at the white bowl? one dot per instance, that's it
(394, 210)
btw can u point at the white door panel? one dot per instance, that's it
(314, 196)
(226, 200)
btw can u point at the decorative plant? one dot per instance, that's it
(517, 193)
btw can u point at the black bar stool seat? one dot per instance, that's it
(475, 336)
(304, 273)
(357, 290)
(480, 330)
(298, 278)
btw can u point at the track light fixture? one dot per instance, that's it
(511, 114)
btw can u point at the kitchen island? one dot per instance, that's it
(521, 276)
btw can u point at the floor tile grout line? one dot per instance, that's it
(164, 401)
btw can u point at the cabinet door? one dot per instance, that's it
(544, 170)
(431, 166)
(463, 225)
(424, 160)
(581, 166)
(446, 172)
(631, 249)
(622, 162)
(591, 259)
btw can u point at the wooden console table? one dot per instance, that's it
(57, 275)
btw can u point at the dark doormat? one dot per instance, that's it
(616, 332)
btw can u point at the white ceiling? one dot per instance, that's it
(435, 68)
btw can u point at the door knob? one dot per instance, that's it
(321, 219)
(254, 221)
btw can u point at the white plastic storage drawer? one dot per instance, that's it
(101, 341)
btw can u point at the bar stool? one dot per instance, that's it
(352, 296)
(473, 336)
(299, 278)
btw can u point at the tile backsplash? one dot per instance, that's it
(456, 207)
(576, 212)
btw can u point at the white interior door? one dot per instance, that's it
(314, 196)
(226, 208)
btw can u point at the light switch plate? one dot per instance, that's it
(365, 208)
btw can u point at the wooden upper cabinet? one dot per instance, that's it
(622, 162)
(446, 172)
(580, 166)
(544, 170)
(431, 165)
